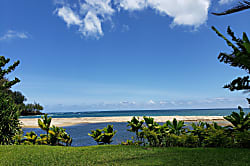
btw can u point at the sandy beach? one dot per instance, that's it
(62, 122)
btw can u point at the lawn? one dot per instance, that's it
(121, 155)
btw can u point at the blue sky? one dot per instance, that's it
(121, 54)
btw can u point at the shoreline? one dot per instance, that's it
(64, 122)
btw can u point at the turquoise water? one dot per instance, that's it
(177, 112)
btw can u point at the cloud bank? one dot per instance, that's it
(218, 102)
(89, 15)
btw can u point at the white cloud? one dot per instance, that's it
(92, 26)
(222, 2)
(13, 34)
(98, 7)
(124, 102)
(89, 18)
(131, 4)
(151, 102)
(218, 102)
(128, 103)
(96, 12)
(91, 14)
(69, 16)
(184, 12)
(163, 102)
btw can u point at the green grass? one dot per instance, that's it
(121, 155)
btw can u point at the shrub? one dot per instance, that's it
(189, 140)
(30, 138)
(152, 137)
(176, 127)
(103, 136)
(135, 125)
(44, 124)
(131, 142)
(55, 135)
(217, 138)
(242, 139)
(240, 121)
(9, 123)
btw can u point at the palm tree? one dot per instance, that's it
(176, 127)
(45, 124)
(55, 135)
(152, 125)
(108, 134)
(240, 7)
(31, 137)
(239, 57)
(135, 125)
(66, 138)
(103, 136)
(96, 135)
(240, 121)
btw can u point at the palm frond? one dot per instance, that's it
(240, 7)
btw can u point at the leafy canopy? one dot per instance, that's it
(240, 7)
(239, 57)
(240, 121)
(9, 111)
(103, 136)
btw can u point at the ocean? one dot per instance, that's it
(79, 132)
(172, 112)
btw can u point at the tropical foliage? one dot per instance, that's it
(201, 134)
(240, 121)
(135, 126)
(103, 136)
(243, 5)
(54, 135)
(58, 136)
(17, 97)
(44, 124)
(32, 109)
(9, 111)
(176, 127)
(240, 57)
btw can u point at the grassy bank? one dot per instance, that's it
(121, 155)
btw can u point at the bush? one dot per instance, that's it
(189, 140)
(103, 136)
(240, 121)
(152, 137)
(9, 123)
(9, 111)
(55, 135)
(242, 139)
(131, 142)
(174, 134)
(217, 138)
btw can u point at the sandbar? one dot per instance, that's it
(63, 122)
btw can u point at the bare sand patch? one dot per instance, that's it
(62, 122)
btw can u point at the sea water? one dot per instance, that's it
(172, 112)
(79, 132)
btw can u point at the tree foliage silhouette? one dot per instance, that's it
(9, 111)
(240, 7)
(239, 57)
